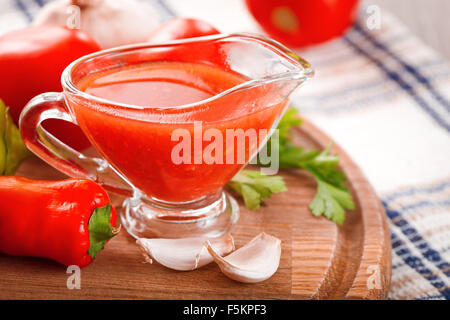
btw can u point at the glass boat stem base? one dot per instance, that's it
(208, 217)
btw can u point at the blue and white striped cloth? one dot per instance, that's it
(383, 96)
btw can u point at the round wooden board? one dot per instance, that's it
(319, 259)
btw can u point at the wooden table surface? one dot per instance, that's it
(320, 260)
(427, 19)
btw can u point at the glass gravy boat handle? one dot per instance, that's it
(58, 154)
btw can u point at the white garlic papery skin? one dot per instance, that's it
(257, 261)
(111, 23)
(183, 254)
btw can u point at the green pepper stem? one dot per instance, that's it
(100, 229)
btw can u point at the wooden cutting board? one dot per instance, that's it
(319, 259)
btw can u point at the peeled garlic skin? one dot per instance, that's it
(183, 254)
(257, 261)
(110, 22)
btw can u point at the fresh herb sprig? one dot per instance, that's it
(332, 198)
(254, 186)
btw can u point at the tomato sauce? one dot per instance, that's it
(164, 96)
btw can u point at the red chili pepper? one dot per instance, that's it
(303, 22)
(31, 62)
(68, 221)
(181, 28)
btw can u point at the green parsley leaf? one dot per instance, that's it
(332, 197)
(254, 186)
(331, 202)
(289, 120)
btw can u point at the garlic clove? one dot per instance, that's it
(257, 261)
(184, 254)
(110, 22)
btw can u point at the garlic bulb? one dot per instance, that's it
(183, 254)
(257, 261)
(110, 22)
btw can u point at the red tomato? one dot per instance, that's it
(303, 22)
(31, 62)
(181, 28)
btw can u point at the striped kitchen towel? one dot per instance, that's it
(383, 96)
